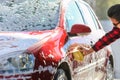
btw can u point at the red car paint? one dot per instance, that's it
(48, 54)
(47, 48)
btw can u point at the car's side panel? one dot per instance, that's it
(94, 62)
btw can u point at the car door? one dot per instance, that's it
(92, 65)
(99, 58)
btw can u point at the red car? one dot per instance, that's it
(40, 40)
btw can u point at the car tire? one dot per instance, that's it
(110, 69)
(60, 75)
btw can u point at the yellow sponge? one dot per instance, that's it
(78, 55)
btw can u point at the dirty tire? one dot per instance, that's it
(110, 70)
(60, 75)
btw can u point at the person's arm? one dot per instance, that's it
(108, 38)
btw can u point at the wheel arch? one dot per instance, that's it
(66, 68)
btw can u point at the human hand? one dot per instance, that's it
(83, 48)
(86, 50)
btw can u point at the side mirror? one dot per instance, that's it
(80, 28)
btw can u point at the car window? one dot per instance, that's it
(28, 15)
(73, 16)
(89, 17)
